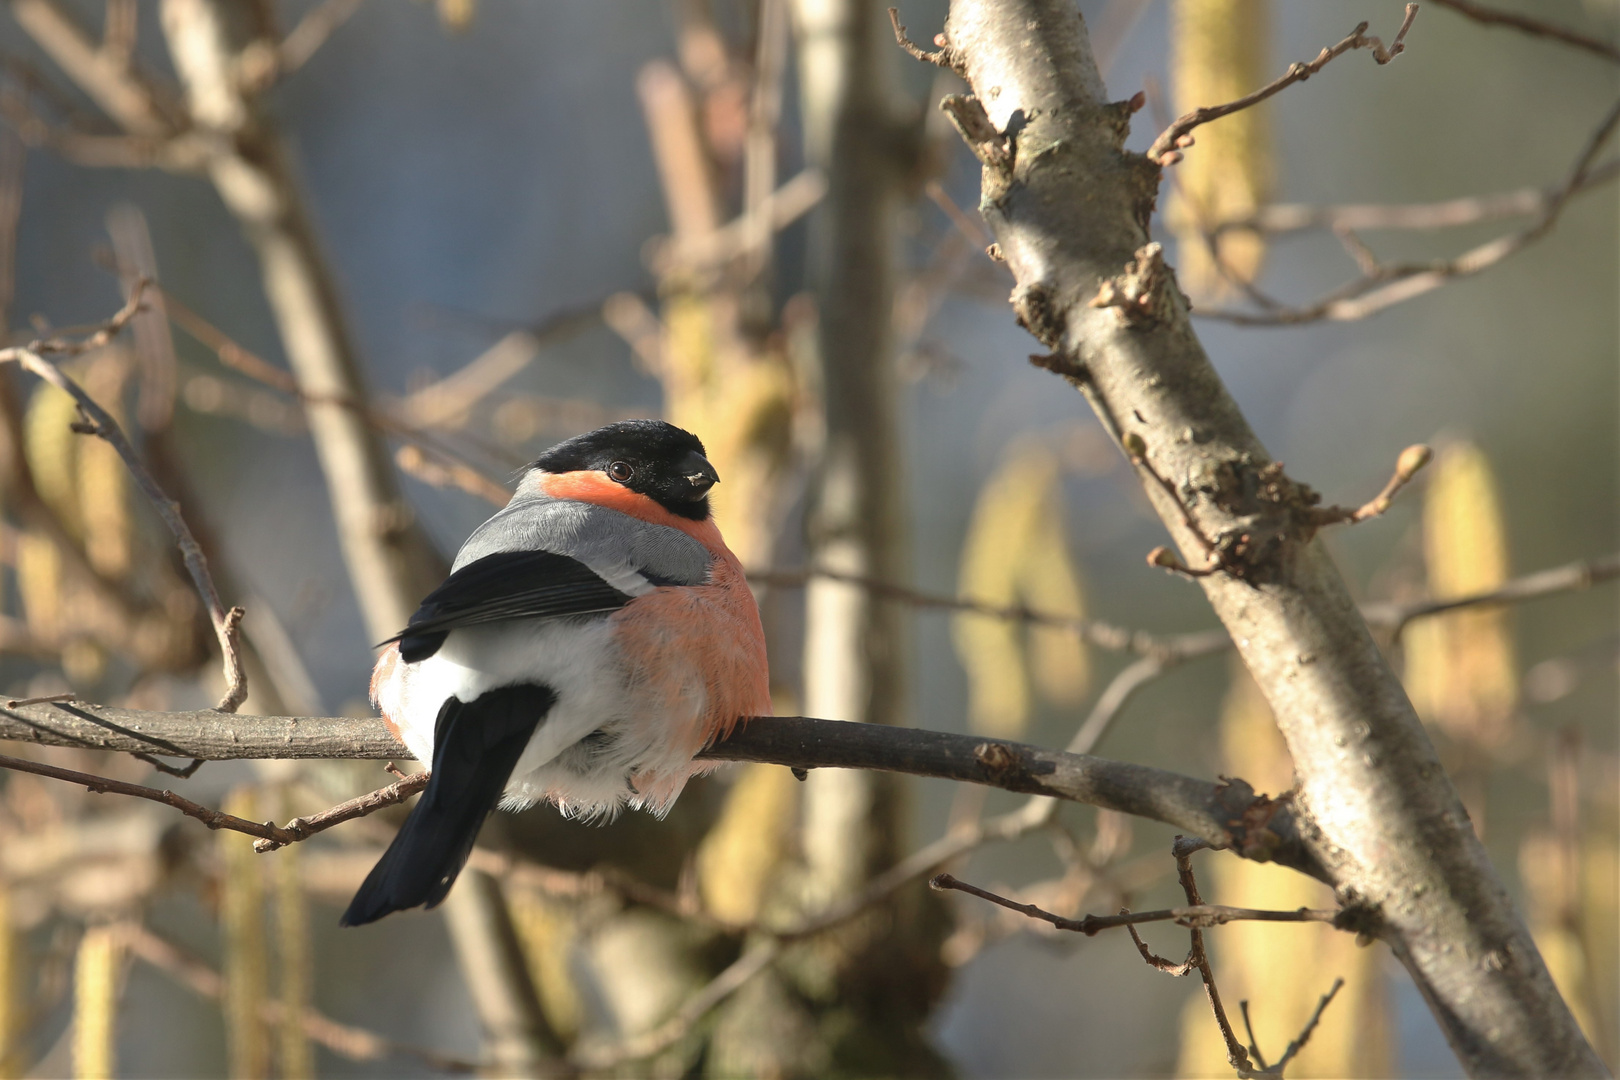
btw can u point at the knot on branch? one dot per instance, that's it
(1037, 310)
(994, 149)
(1145, 293)
(1276, 513)
(1250, 827)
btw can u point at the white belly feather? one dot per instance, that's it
(580, 661)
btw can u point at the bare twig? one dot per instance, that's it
(302, 828)
(755, 958)
(1183, 850)
(356, 1044)
(1533, 26)
(1396, 283)
(102, 785)
(1389, 614)
(946, 57)
(16, 702)
(1199, 916)
(98, 422)
(1094, 631)
(1165, 148)
(1573, 576)
(1305, 1033)
(1407, 465)
(1283, 218)
(311, 32)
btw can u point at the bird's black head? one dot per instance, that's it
(649, 457)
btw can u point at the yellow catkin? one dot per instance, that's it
(242, 927)
(1542, 869)
(11, 992)
(95, 1005)
(546, 929)
(1016, 551)
(103, 478)
(295, 1055)
(1460, 668)
(53, 452)
(39, 585)
(1282, 969)
(740, 401)
(742, 849)
(1048, 580)
(1219, 52)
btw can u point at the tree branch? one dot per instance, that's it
(1227, 814)
(1201, 916)
(100, 423)
(1165, 148)
(1389, 284)
(1070, 214)
(1532, 26)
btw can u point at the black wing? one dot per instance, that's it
(475, 747)
(506, 585)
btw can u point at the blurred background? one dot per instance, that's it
(413, 244)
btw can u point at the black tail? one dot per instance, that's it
(475, 747)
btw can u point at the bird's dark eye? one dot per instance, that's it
(621, 472)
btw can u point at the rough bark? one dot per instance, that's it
(1069, 208)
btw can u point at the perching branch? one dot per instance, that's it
(1227, 814)
(1165, 148)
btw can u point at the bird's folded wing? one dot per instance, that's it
(506, 585)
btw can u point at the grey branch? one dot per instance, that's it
(1226, 814)
(1070, 215)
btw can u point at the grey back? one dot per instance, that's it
(619, 547)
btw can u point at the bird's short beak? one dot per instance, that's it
(699, 474)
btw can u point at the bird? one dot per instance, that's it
(593, 636)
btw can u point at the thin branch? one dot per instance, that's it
(1165, 148)
(102, 785)
(345, 1040)
(1171, 648)
(100, 423)
(1412, 459)
(1200, 916)
(755, 958)
(1183, 849)
(1305, 1033)
(1396, 283)
(302, 828)
(1567, 578)
(1282, 218)
(1094, 631)
(1535, 27)
(311, 32)
(946, 57)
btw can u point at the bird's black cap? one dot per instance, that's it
(650, 457)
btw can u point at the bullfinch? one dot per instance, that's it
(591, 638)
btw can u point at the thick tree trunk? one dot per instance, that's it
(1069, 209)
